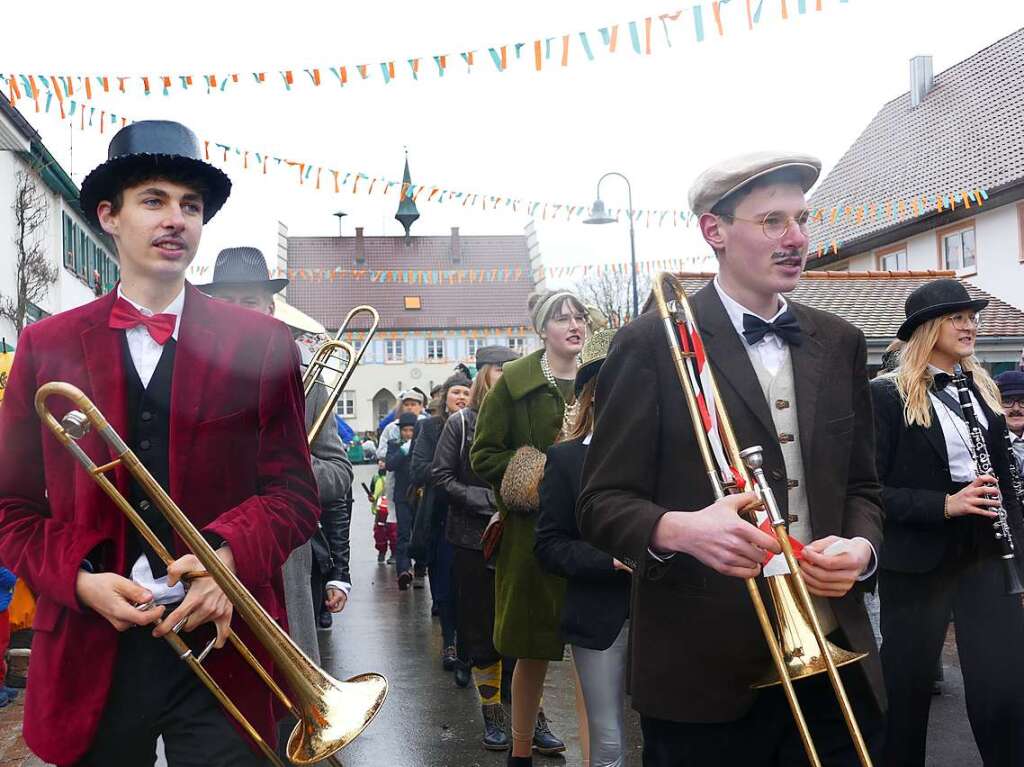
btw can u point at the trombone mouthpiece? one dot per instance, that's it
(75, 424)
(753, 457)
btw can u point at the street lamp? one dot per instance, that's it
(599, 215)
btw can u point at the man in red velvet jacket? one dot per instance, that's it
(209, 397)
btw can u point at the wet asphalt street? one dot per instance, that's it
(429, 722)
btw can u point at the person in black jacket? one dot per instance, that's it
(596, 608)
(471, 504)
(940, 554)
(431, 517)
(398, 462)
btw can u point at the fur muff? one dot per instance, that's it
(520, 487)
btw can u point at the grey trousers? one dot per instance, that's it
(603, 678)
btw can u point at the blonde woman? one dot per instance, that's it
(940, 554)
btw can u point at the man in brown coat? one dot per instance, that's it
(793, 380)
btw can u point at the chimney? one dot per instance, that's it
(455, 247)
(360, 247)
(921, 80)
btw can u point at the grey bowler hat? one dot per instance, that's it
(729, 176)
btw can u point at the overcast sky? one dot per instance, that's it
(811, 83)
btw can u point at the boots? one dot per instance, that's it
(544, 741)
(495, 738)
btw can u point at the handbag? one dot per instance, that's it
(490, 540)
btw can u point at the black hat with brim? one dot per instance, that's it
(157, 147)
(242, 267)
(935, 299)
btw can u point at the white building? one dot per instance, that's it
(959, 131)
(81, 252)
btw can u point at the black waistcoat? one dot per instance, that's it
(149, 430)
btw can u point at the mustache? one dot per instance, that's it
(786, 255)
(1015, 413)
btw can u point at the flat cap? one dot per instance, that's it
(729, 176)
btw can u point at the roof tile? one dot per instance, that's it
(874, 301)
(967, 133)
(497, 304)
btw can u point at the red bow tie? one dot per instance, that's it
(124, 316)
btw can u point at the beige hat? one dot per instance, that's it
(719, 181)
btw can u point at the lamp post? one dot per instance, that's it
(599, 215)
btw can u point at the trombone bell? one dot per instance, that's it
(793, 630)
(336, 717)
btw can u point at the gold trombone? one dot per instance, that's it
(323, 362)
(331, 713)
(797, 644)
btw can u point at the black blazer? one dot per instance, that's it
(597, 595)
(913, 467)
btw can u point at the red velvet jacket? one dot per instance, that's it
(239, 467)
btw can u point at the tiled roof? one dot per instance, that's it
(874, 301)
(968, 133)
(498, 304)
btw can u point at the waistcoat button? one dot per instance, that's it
(146, 415)
(144, 445)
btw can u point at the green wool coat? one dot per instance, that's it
(521, 409)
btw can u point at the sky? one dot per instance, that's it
(810, 83)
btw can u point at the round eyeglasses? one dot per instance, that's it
(776, 224)
(964, 321)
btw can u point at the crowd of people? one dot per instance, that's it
(567, 497)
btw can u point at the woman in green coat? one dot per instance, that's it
(521, 417)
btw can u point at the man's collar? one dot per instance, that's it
(175, 307)
(736, 310)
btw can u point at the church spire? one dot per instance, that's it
(407, 212)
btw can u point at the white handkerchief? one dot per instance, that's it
(163, 594)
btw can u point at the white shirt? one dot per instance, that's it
(145, 356)
(956, 433)
(771, 349)
(144, 350)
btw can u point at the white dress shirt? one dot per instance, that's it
(145, 356)
(1017, 443)
(956, 433)
(771, 349)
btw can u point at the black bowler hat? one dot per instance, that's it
(157, 146)
(935, 299)
(242, 267)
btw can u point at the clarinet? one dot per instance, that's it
(983, 465)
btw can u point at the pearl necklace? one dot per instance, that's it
(569, 412)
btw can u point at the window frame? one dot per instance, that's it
(346, 405)
(472, 344)
(900, 247)
(396, 354)
(1020, 231)
(438, 343)
(940, 245)
(412, 303)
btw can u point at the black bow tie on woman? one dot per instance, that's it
(785, 327)
(941, 380)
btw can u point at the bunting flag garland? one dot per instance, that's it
(307, 173)
(570, 48)
(471, 276)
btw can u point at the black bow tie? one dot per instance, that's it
(941, 380)
(786, 327)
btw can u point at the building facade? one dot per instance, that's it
(950, 136)
(84, 257)
(439, 299)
